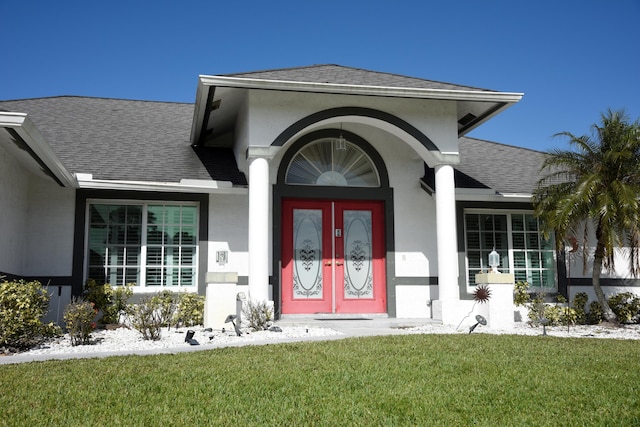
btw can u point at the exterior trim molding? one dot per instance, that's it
(305, 122)
(390, 91)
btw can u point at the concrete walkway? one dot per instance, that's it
(357, 326)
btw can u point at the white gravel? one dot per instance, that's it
(127, 341)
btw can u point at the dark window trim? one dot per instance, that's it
(82, 196)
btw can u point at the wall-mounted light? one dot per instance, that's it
(222, 257)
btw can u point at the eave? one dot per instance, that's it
(478, 105)
(27, 137)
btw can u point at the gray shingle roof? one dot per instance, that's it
(122, 139)
(149, 141)
(337, 74)
(505, 168)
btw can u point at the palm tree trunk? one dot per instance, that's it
(607, 313)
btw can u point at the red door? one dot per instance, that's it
(333, 257)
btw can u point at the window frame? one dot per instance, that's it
(511, 250)
(143, 266)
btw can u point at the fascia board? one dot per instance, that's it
(468, 195)
(198, 111)
(24, 127)
(85, 181)
(400, 92)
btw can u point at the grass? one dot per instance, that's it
(393, 380)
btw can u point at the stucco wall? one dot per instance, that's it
(50, 223)
(228, 221)
(272, 112)
(14, 183)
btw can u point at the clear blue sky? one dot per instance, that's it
(572, 59)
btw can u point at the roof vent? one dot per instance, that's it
(466, 119)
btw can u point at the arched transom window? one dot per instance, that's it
(332, 162)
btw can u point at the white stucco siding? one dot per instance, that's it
(14, 182)
(50, 223)
(414, 209)
(228, 220)
(273, 112)
(574, 260)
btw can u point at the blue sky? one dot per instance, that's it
(572, 59)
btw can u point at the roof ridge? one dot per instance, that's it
(280, 69)
(404, 76)
(95, 97)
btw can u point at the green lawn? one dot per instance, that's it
(473, 379)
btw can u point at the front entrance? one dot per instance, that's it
(333, 257)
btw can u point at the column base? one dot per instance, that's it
(455, 312)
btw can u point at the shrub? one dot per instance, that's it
(539, 310)
(258, 315)
(119, 305)
(595, 313)
(79, 318)
(190, 310)
(111, 301)
(146, 318)
(579, 305)
(22, 307)
(167, 303)
(626, 307)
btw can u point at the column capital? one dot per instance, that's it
(255, 152)
(441, 159)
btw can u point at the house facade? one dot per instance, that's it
(324, 189)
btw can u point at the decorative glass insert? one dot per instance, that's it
(147, 244)
(358, 260)
(518, 241)
(332, 163)
(307, 240)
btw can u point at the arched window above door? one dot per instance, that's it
(332, 162)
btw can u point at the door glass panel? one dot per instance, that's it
(358, 271)
(307, 241)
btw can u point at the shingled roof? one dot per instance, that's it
(337, 74)
(504, 168)
(118, 139)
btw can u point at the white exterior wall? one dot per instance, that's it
(228, 220)
(14, 201)
(51, 226)
(273, 112)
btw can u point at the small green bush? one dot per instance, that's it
(79, 318)
(258, 315)
(167, 302)
(146, 317)
(626, 307)
(579, 305)
(594, 316)
(539, 310)
(190, 309)
(22, 307)
(111, 301)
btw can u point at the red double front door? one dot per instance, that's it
(333, 257)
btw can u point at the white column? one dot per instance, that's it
(259, 229)
(446, 234)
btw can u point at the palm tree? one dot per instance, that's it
(595, 188)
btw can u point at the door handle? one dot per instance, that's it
(327, 264)
(339, 263)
